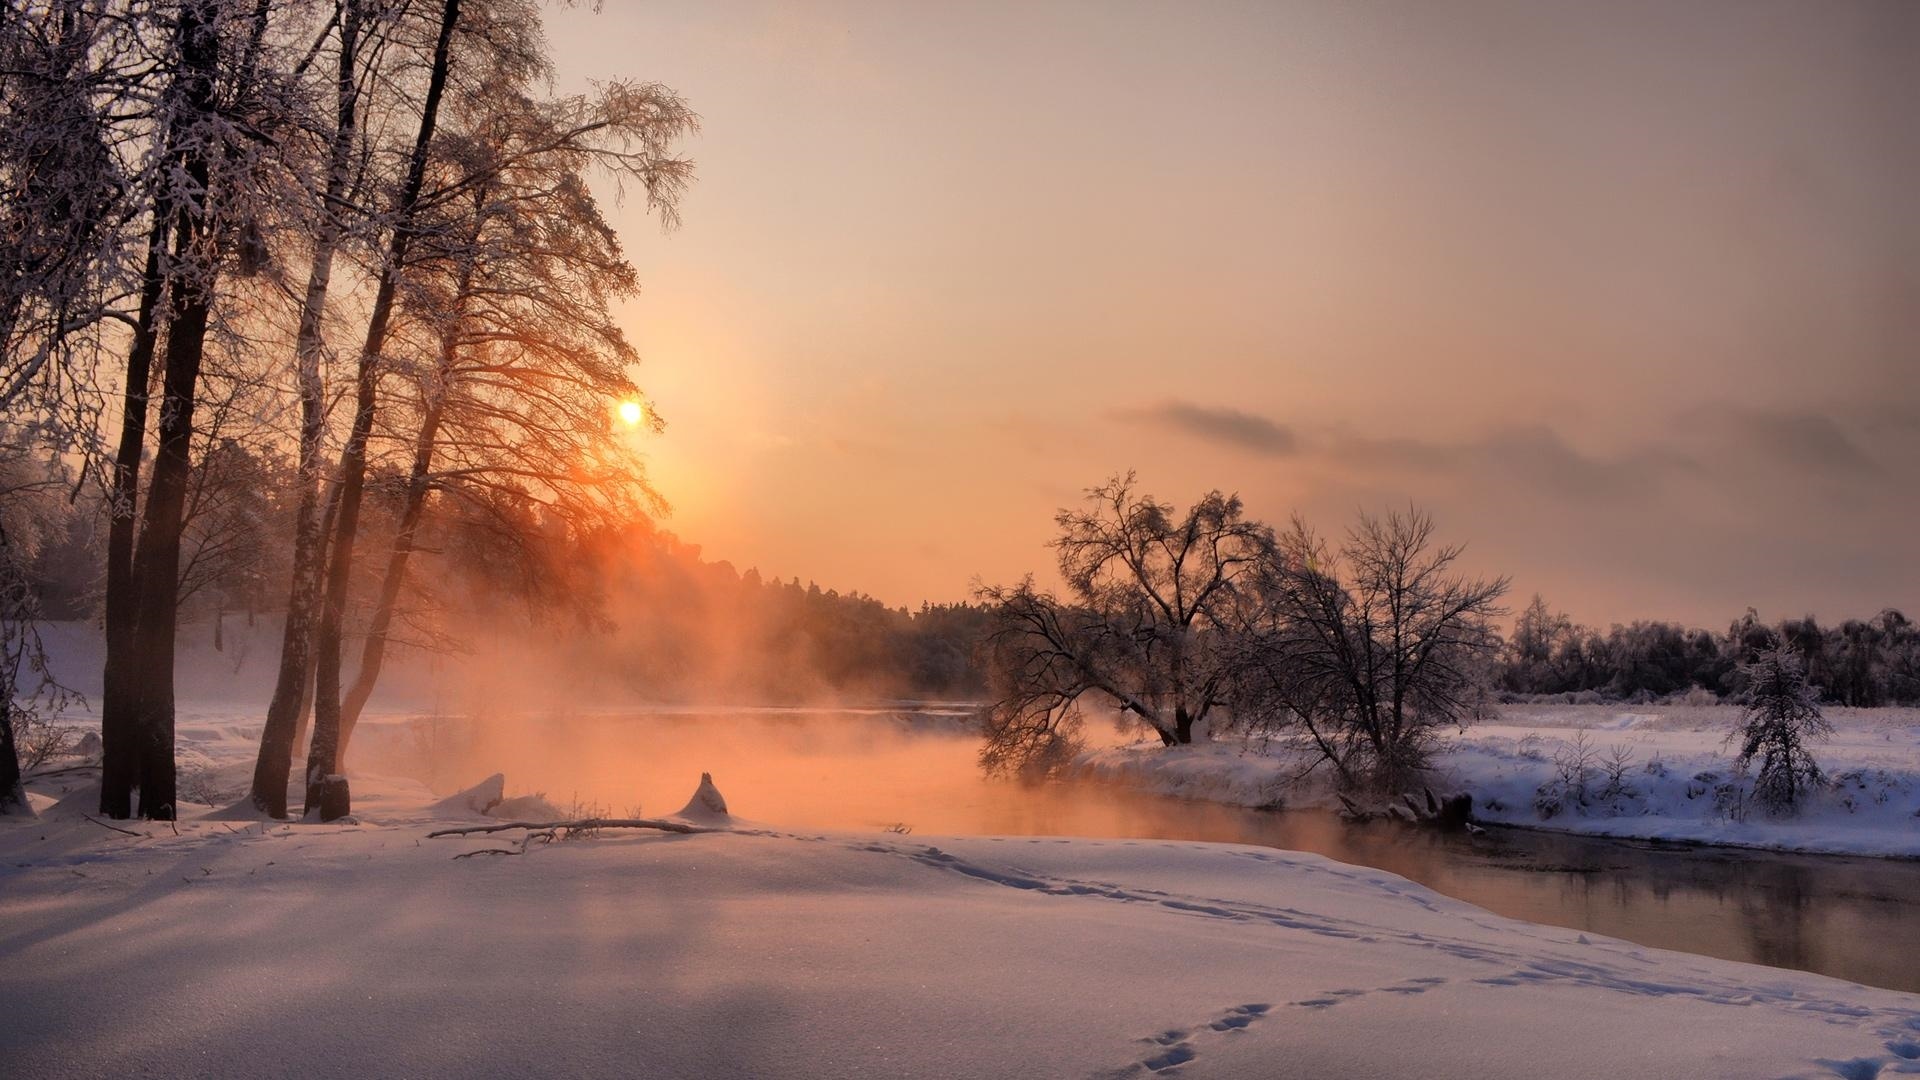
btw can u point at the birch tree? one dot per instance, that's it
(333, 215)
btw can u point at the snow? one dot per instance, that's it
(1681, 780)
(364, 948)
(707, 806)
(478, 800)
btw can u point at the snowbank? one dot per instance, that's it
(1677, 781)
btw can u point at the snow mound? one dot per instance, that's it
(526, 808)
(480, 799)
(241, 810)
(82, 800)
(89, 747)
(707, 804)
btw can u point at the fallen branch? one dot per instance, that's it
(42, 774)
(580, 823)
(115, 828)
(488, 851)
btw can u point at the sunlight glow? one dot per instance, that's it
(630, 413)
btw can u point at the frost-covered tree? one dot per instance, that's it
(510, 297)
(1149, 593)
(336, 212)
(225, 97)
(1782, 716)
(625, 129)
(1367, 652)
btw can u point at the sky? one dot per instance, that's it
(1627, 294)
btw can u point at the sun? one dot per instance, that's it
(631, 412)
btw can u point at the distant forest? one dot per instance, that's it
(1857, 662)
(639, 611)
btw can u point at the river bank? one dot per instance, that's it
(1675, 779)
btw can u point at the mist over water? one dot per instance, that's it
(870, 770)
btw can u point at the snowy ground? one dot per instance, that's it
(239, 948)
(1678, 782)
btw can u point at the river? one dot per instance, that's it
(914, 771)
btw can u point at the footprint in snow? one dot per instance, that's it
(1417, 985)
(1174, 1046)
(1238, 1017)
(1172, 1058)
(1166, 1038)
(1857, 1069)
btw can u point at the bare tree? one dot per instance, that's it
(1368, 652)
(1149, 593)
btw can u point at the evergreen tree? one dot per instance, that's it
(1782, 715)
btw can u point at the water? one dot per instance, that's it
(1856, 919)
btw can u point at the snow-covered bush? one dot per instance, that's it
(1573, 768)
(1781, 717)
(1585, 779)
(1618, 760)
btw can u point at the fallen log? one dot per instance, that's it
(1451, 813)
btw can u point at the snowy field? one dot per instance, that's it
(1675, 776)
(242, 948)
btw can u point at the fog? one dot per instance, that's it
(840, 768)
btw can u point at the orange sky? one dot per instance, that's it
(1628, 294)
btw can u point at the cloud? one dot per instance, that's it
(1228, 427)
(1810, 440)
(1534, 454)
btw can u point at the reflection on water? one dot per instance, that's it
(1857, 919)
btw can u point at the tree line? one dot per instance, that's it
(336, 260)
(1855, 662)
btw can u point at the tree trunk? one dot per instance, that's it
(435, 391)
(323, 755)
(156, 565)
(291, 692)
(13, 796)
(119, 763)
(304, 724)
(1182, 726)
(142, 671)
(374, 652)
